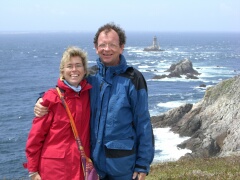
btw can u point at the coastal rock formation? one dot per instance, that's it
(183, 67)
(213, 124)
(93, 69)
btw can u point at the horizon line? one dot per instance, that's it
(126, 31)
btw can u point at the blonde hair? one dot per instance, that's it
(73, 51)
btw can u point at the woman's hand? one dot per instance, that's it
(36, 177)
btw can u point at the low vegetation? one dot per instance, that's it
(227, 168)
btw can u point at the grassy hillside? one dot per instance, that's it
(227, 168)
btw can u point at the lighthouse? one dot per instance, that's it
(155, 43)
(155, 46)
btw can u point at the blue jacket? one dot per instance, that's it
(121, 132)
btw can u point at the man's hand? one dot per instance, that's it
(138, 176)
(40, 110)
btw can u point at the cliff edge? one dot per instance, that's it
(213, 124)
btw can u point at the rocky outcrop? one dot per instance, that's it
(92, 70)
(212, 124)
(183, 67)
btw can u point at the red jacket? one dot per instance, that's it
(51, 148)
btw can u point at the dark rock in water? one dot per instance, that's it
(183, 67)
(213, 124)
(174, 74)
(191, 76)
(92, 69)
(160, 76)
(202, 85)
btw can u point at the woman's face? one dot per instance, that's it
(108, 48)
(73, 71)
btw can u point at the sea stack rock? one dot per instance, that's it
(183, 67)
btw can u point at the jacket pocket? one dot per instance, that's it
(119, 148)
(53, 153)
(53, 164)
(120, 157)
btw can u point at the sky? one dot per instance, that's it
(131, 15)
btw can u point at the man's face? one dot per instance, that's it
(108, 48)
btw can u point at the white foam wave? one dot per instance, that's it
(144, 67)
(166, 145)
(171, 104)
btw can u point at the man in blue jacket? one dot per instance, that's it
(121, 130)
(122, 142)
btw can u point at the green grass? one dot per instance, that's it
(210, 168)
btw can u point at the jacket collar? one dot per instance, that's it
(84, 84)
(106, 71)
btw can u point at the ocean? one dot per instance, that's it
(30, 63)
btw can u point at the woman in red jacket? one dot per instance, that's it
(51, 149)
